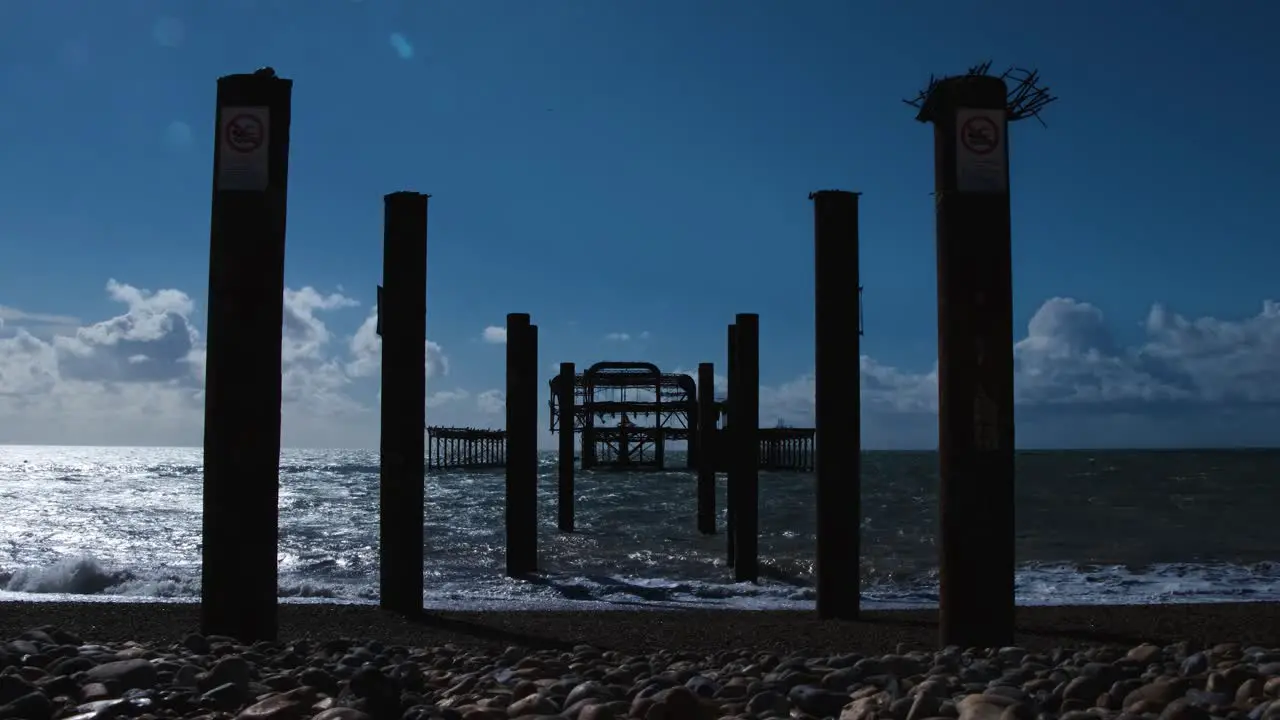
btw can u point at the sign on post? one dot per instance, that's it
(243, 133)
(981, 152)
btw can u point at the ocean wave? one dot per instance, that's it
(1037, 584)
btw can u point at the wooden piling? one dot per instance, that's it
(705, 442)
(729, 451)
(522, 445)
(242, 366)
(746, 427)
(837, 404)
(975, 360)
(403, 445)
(564, 404)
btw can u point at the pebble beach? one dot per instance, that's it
(111, 660)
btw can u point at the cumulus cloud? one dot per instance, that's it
(627, 337)
(366, 352)
(151, 342)
(494, 334)
(14, 315)
(305, 334)
(137, 378)
(445, 397)
(1175, 387)
(492, 402)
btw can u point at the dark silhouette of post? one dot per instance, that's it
(403, 318)
(746, 432)
(837, 403)
(522, 445)
(705, 442)
(975, 360)
(728, 451)
(564, 404)
(242, 370)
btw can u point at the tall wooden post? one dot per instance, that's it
(837, 403)
(242, 367)
(705, 442)
(975, 360)
(564, 403)
(522, 445)
(728, 451)
(403, 318)
(746, 432)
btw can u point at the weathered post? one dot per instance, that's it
(403, 319)
(975, 359)
(564, 404)
(746, 431)
(693, 452)
(522, 445)
(837, 403)
(242, 367)
(705, 443)
(728, 450)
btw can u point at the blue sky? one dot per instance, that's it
(637, 144)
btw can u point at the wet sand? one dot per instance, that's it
(701, 631)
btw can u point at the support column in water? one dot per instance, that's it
(975, 360)
(565, 490)
(838, 404)
(404, 388)
(243, 357)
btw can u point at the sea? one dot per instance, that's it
(1093, 527)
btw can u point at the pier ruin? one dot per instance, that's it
(626, 412)
(453, 448)
(625, 416)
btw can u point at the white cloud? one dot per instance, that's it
(17, 316)
(137, 378)
(492, 402)
(305, 334)
(617, 337)
(366, 352)
(154, 330)
(1202, 381)
(445, 397)
(494, 334)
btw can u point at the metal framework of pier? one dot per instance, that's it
(626, 412)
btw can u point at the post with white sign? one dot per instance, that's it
(975, 360)
(837, 404)
(242, 366)
(402, 319)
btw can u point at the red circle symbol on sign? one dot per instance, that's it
(980, 135)
(244, 133)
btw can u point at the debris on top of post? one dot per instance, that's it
(1025, 98)
(816, 193)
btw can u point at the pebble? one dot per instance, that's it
(47, 674)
